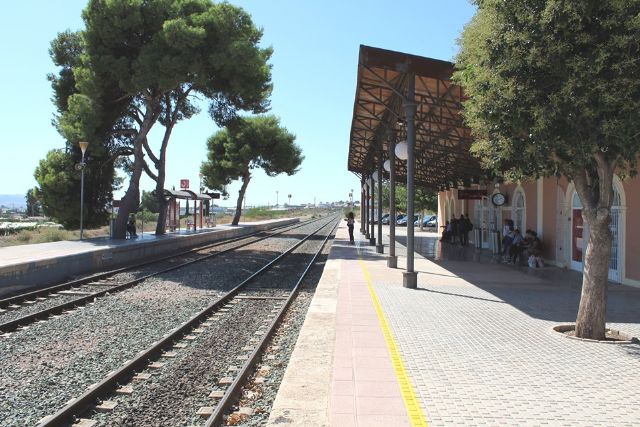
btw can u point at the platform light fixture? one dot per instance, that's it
(402, 150)
(387, 165)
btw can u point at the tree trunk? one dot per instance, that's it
(162, 161)
(245, 182)
(596, 194)
(161, 225)
(132, 196)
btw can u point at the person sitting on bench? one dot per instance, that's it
(131, 226)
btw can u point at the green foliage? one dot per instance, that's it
(423, 200)
(76, 119)
(34, 207)
(551, 84)
(142, 61)
(149, 202)
(247, 144)
(59, 191)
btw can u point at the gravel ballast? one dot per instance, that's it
(48, 363)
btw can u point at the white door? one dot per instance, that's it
(615, 226)
(578, 235)
(560, 228)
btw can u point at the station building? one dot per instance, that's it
(410, 101)
(552, 208)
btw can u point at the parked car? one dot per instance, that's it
(433, 222)
(425, 221)
(375, 219)
(399, 218)
(403, 221)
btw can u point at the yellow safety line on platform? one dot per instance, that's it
(416, 417)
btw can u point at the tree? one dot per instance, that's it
(423, 199)
(33, 203)
(59, 191)
(100, 177)
(553, 89)
(149, 202)
(144, 61)
(247, 144)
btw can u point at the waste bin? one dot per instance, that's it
(477, 238)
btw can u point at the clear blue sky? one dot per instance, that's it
(314, 72)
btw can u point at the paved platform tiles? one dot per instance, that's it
(475, 340)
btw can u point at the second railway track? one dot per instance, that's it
(22, 310)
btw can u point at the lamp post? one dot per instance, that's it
(276, 198)
(389, 165)
(80, 166)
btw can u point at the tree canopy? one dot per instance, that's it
(247, 144)
(553, 89)
(143, 61)
(55, 174)
(552, 84)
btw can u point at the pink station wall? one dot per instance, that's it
(555, 238)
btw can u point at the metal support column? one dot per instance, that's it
(410, 277)
(372, 237)
(392, 260)
(366, 210)
(380, 246)
(362, 205)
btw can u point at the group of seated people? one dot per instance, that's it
(516, 247)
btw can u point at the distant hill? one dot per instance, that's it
(10, 200)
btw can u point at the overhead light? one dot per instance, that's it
(402, 150)
(83, 146)
(387, 165)
(374, 175)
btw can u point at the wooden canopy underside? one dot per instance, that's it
(442, 139)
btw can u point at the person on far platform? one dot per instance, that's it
(350, 223)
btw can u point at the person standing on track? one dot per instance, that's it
(350, 223)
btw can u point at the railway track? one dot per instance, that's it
(70, 295)
(258, 302)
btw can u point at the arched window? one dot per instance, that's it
(575, 201)
(518, 210)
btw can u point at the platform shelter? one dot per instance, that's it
(406, 127)
(201, 214)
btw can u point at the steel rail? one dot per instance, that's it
(75, 407)
(16, 299)
(233, 391)
(14, 324)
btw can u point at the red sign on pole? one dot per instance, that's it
(184, 184)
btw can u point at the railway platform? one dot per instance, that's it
(21, 267)
(473, 345)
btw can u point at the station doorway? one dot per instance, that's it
(580, 235)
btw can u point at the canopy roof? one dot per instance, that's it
(185, 194)
(442, 140)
